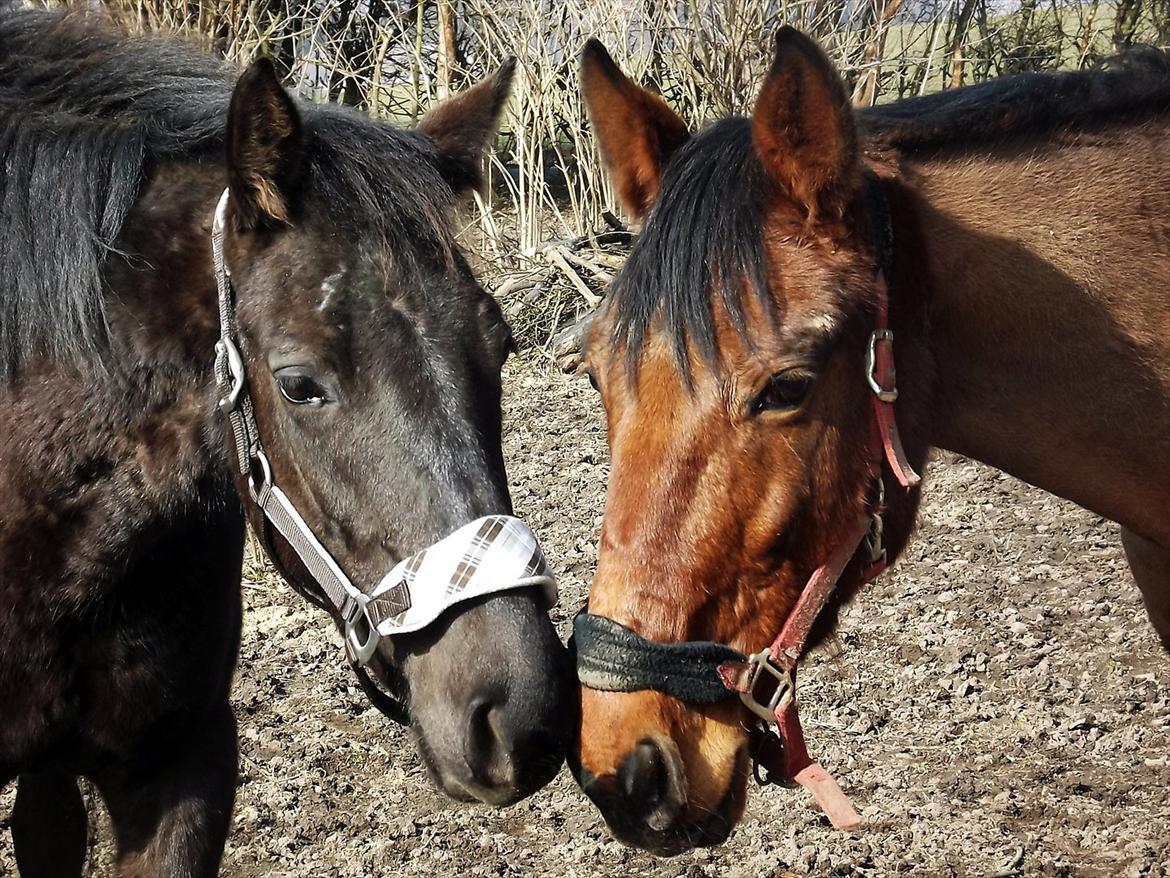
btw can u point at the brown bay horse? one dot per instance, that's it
(1018, 235)
(357, 355)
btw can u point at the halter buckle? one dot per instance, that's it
(883, 393)
(361, 634)
(259, 492)
(227, 349)
(784, 691)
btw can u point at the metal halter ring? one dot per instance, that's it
(879, 335)
(359, 645)
(785, 686)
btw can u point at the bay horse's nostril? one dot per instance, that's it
(643, 776)
(651, 784)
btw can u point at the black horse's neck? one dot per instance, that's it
(163, 316)
(161, 296)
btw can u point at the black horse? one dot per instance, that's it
(373, 361)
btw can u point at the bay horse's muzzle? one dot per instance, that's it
(645, 804)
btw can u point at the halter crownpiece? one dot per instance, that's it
(492, 554)
(613, 658)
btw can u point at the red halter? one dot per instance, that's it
(784, 754)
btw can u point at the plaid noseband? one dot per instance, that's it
(491, 554)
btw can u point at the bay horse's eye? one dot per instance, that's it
(592, 379)
(299, 388)
(784, 391)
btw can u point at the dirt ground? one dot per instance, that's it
(998, 706)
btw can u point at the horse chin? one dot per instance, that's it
(710, 828)
(702, 826)
(460, 784)
(460, 788)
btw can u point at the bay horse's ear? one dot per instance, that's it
(803, 126)
(636, 130)
(263, 147)
(462, 127)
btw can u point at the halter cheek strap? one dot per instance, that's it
(784, 754)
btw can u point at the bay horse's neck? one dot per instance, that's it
(1047, 313)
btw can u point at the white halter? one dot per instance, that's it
(491, 554)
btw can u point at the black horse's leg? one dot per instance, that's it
(1150, 564)
(49, 826)
(170, 806)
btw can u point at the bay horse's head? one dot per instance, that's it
(731, 359)
(373, 362)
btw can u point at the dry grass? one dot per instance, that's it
(705, 56)
(548, 192)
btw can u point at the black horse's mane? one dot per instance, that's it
(702, 239)
(86, 111)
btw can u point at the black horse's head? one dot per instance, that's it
(373, 360)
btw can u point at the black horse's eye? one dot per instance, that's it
(300, 389)
(784, 391)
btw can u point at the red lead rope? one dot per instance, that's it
(786, 753)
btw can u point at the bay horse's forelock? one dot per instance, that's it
(1030, 303)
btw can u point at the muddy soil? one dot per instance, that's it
(997, 705)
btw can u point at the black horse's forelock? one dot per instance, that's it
(704, 234)
(86, 111)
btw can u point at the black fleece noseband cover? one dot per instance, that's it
(612, 658)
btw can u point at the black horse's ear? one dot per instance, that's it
(462, 126)
(263, 147)
(635, 129)
(803, 127)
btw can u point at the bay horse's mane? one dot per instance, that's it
(703, 237)
(87, 111)
(1024, 106)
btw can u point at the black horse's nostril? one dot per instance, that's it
(651, 784)
(492, 700)
(487, 753)
(507, 752)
